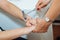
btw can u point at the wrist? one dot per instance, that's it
(46, 23)
(47, 19)
(24, 16)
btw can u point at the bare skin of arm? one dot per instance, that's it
(11, 9)
(11, 34)
(52, 14)
(54, 10)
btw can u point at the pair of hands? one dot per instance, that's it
(41, 26)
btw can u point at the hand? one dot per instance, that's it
(28, 30)
(42, 26)
(30, 22)
(41, 4)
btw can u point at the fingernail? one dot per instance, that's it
(38, 9)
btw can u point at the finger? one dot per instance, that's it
(28, 24)
(35, 31)
(38, 20)
(27, 30)
(44, 3)
(38, 4)
(43, 31)
(33, 21)
(28, 18)
(40, 31)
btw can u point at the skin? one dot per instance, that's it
(52, 14)
(41, 4)
(12, 34)
(16, 12)
(55, 8)
(11, 9)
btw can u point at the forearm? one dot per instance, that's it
(11, 9)
(11, 34)
(54, 10)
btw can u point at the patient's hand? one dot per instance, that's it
(42, 26)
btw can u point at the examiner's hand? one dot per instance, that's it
(41, 3)
(28, 30)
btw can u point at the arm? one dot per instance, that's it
(40, 4)
(11, 9)
(12, 34)
(52, 14)
(54, 10)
